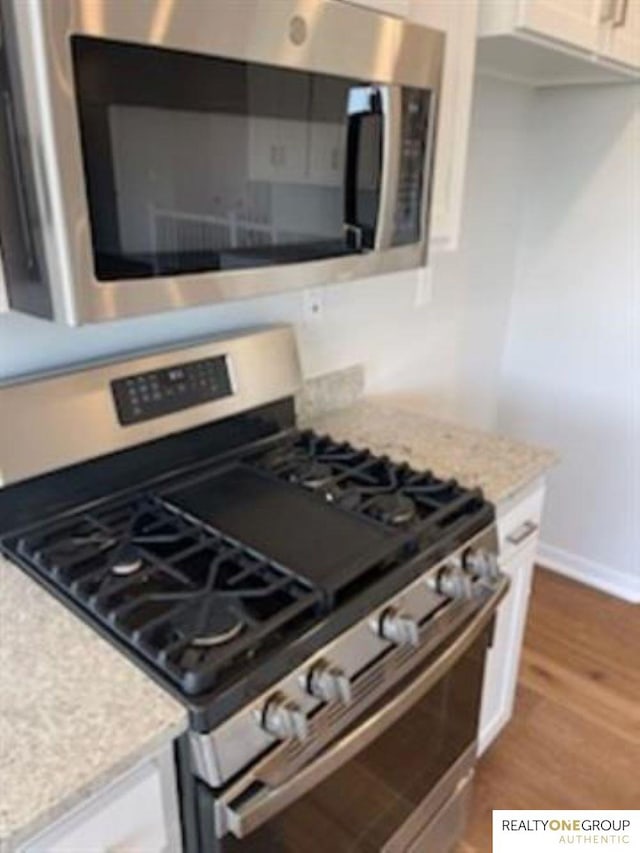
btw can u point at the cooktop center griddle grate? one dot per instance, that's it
(294, 527)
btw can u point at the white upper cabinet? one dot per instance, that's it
(559, 42)
(575, 22)
(622, 32)
(459, 21)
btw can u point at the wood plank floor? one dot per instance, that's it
(574, 740)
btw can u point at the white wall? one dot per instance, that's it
(448, 350)
(571, 376)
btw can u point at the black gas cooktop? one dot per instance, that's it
(209, 571)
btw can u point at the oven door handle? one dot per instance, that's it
(239, 813)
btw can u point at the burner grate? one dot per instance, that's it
(394, 494)
(227, 572)
(190, 599)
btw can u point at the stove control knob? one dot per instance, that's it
(454, 582)
(328, 683)
(283, 718)
(482, 563)
(399, 628)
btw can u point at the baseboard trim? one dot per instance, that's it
(589, 572)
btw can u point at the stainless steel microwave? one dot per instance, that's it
(173, 153)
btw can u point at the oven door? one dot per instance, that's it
(192, 152)
(397, 779)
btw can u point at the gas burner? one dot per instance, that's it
(222, 627)
(127, 563)
(314, 475)
(396, 509)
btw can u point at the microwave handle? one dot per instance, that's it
(365, 103)
(391, 98)
(253, 812)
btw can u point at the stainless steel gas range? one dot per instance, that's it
(322, 612)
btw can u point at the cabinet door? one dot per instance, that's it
(137, 814)
(278, 136)
(503, 659)
(326, 154)
(622, 42)
(459, 21)
(575, 22)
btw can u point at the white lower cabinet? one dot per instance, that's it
(137, 813)
(518, 534)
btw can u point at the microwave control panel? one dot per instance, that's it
(408, 214)
(144, 396)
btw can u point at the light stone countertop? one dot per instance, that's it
(74, 712)
(500, 465)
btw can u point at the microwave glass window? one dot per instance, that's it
(198, 163)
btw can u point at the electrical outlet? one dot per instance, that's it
(313, 305)
(424, 287)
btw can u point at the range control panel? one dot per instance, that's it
(170, 389)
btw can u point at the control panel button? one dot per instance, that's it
(284, 719)
(399, 628)
(328, 683)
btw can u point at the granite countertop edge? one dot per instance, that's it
(82, 795)
(75, 719)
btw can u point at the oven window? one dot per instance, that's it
(363, 805)
(195, 163)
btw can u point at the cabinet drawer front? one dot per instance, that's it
(520, 525)
(129, 817)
